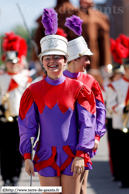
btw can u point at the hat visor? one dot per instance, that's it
(87, 53)
(54, 52)
(12, 60)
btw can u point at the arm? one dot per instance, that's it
(100, 111)
(28, 123)
(86, 110)
(100, 120)
(100, 123)
(112, 104)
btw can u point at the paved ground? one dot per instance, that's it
(99, 181)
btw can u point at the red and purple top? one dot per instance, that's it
(64, 109)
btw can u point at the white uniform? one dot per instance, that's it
(14, 85)
(117, 98)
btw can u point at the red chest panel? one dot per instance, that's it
(64, 94)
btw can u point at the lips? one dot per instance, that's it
(53, 66)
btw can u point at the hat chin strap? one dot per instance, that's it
(81, 54)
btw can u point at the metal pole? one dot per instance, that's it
(27, 29)
(32, 142)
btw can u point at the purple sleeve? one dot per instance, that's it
(86, 125)
(28, 127)
(100, 119)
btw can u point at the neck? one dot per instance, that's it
(54, 76)
(84, 9)
(72, 68)
(55, 82)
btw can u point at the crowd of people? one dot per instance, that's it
(66, 99)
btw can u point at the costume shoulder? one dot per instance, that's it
(90, 77)
(4, 74)
(28, 98)
(110, 86)
(36, 87)
(73, 81)
(4, 77)
(97, 91)
(115, 83)
(118, 83)
(81, 84)
(86, 79)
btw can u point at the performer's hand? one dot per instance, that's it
(29, 167)
(96, 145)
(78, 166)
(126, 109)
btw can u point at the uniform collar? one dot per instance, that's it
(12, 73)
(70, 74)
(55, 82)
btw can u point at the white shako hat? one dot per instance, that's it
(77, 48)
(53, 45)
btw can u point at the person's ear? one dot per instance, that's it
(75, 61)
(65, 60)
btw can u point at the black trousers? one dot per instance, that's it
(124, 157)
(113, 138)
(11, 159)
(119, 149)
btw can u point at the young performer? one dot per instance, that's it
(118, 104)
(65, 111)
(13, 82)
(117, 73)
(77, 62)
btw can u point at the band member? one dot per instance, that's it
(57, 104)
(13, 82)
(77, 63)
(116, 74)
(118, 103)
(95, 31)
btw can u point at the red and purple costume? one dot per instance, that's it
(65, 110)
(100, 106)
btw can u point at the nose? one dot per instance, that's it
(52, 59)
(88, 62)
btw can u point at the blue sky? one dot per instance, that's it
(31, 9)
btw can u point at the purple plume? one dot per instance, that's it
(49, 21)
(75, 24)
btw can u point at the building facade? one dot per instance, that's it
(118, 13)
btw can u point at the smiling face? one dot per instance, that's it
(82, 63)
(54, 64)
